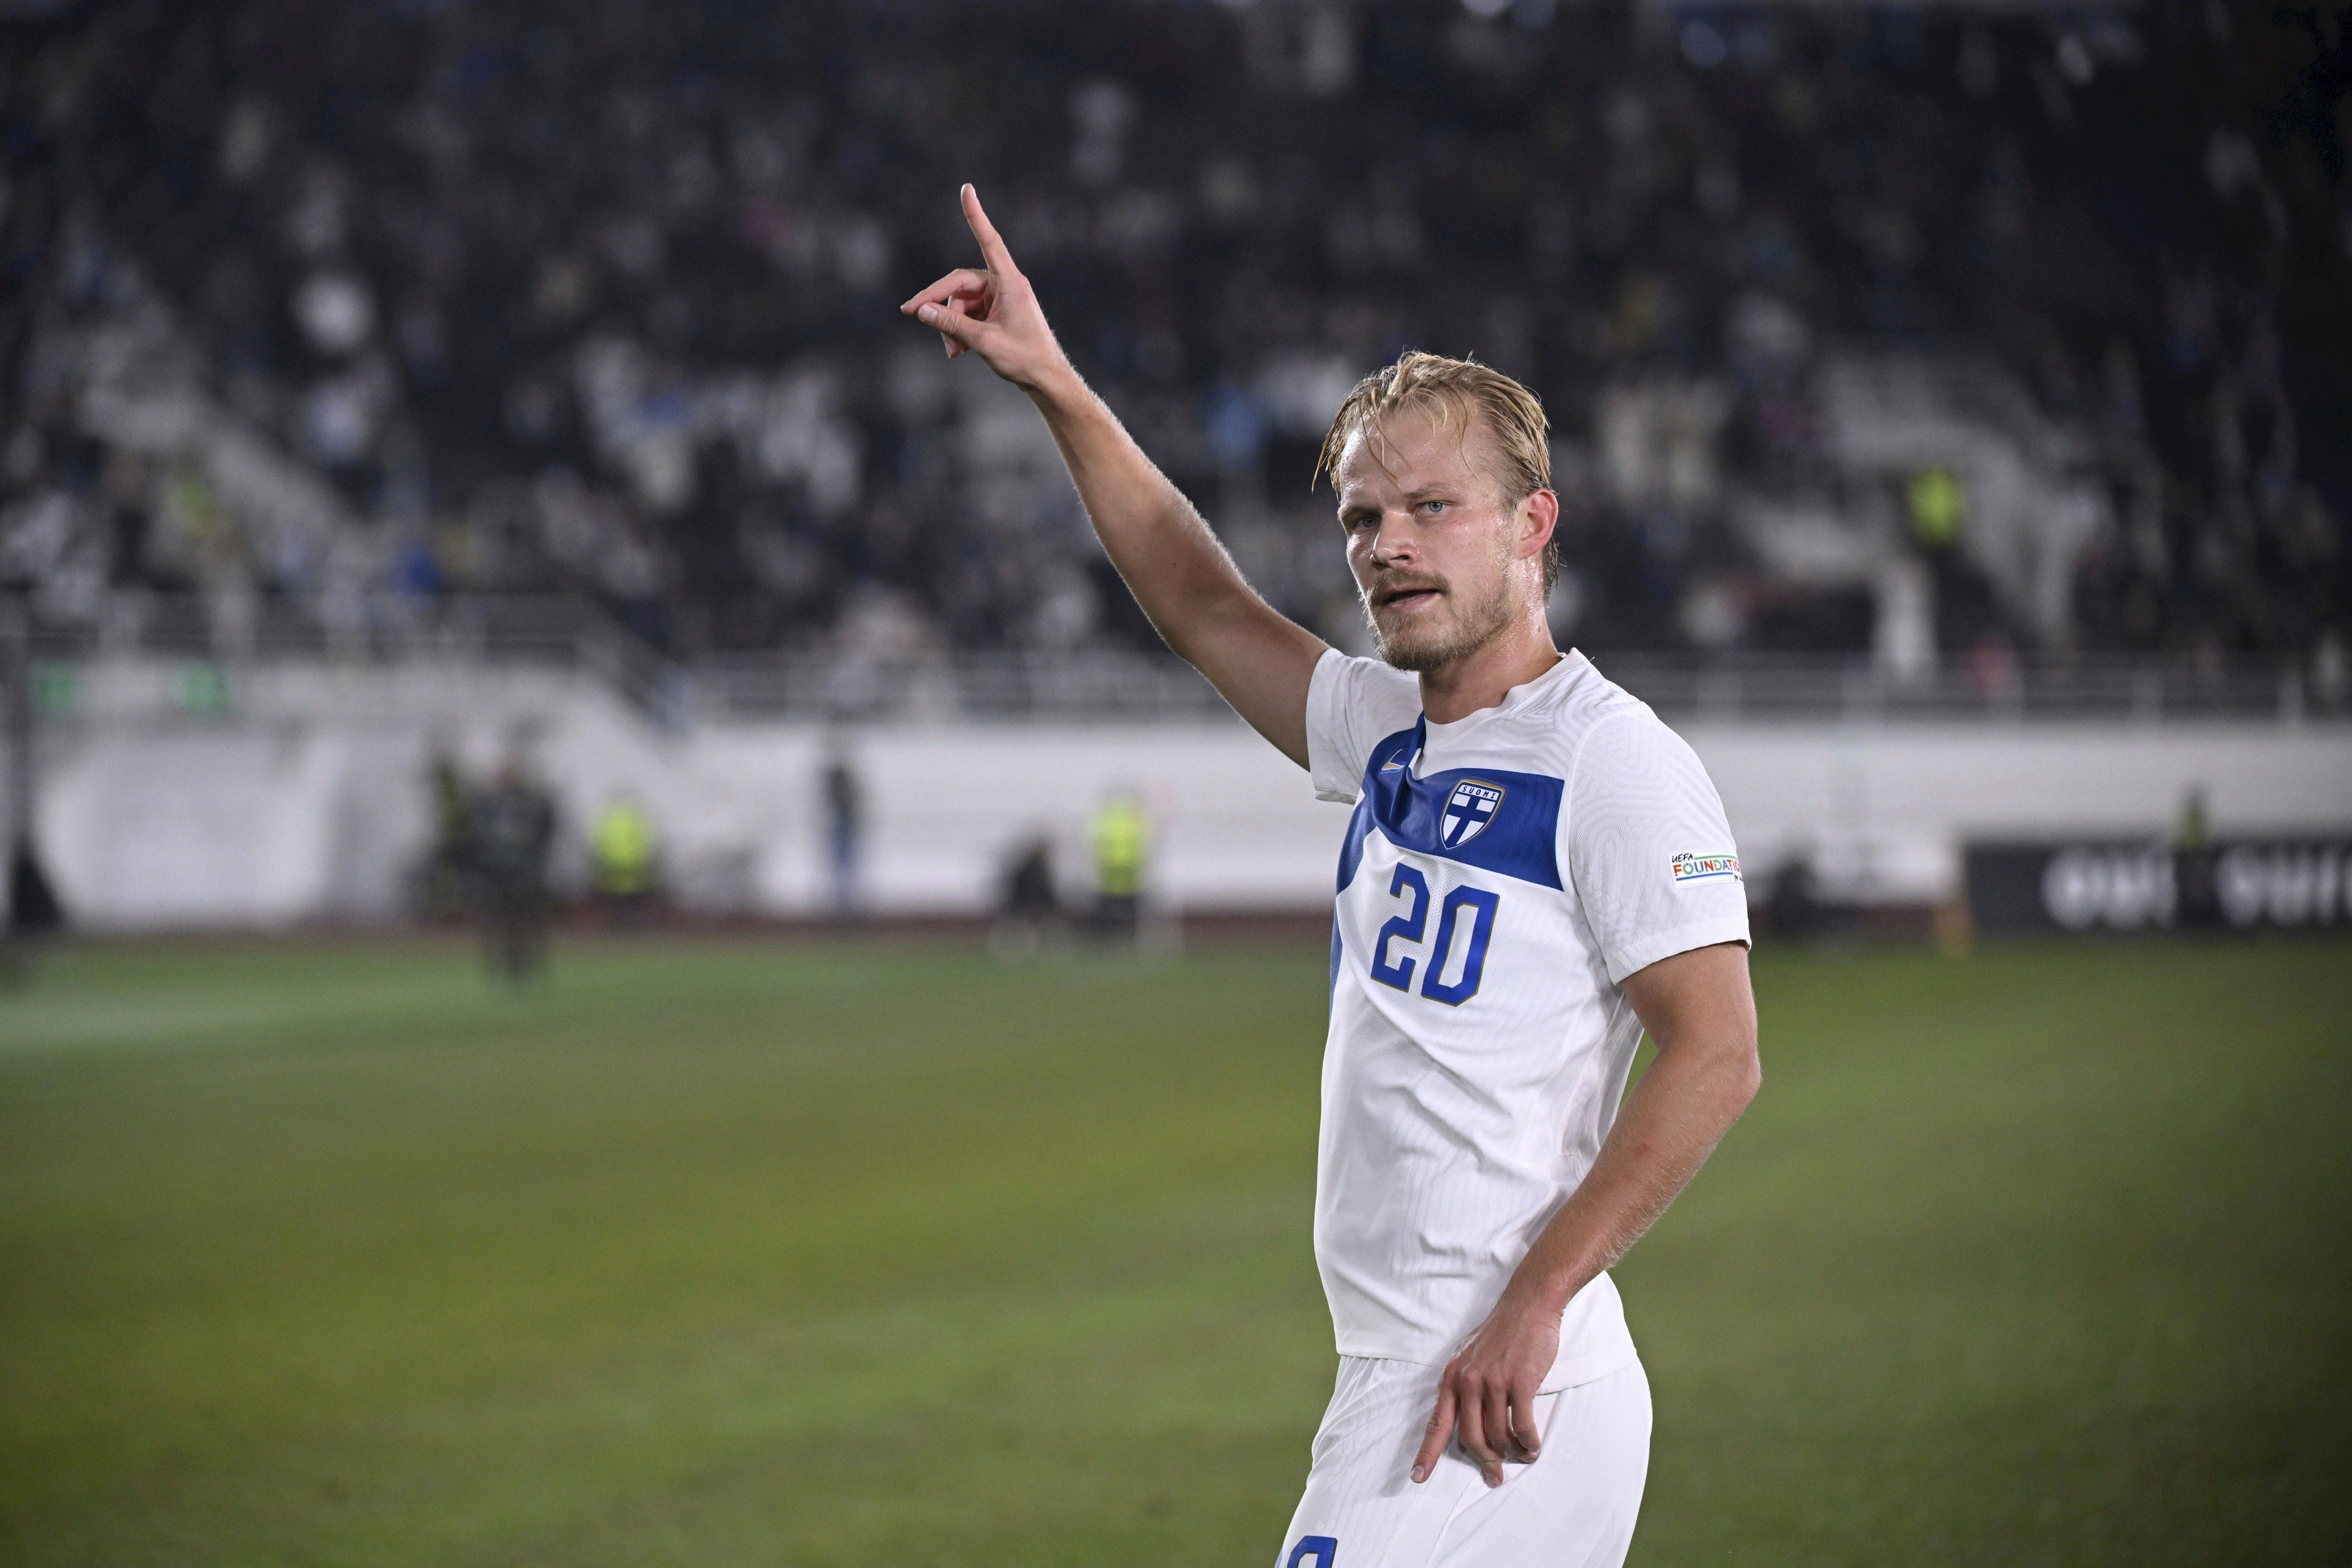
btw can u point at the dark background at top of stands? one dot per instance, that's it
(2143, 214)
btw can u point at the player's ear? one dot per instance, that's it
(1539, 516)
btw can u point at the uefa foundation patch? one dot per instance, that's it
(1699, 868)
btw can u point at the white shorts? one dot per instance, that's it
(1573, 1508)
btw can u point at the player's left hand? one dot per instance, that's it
(1488, 1392)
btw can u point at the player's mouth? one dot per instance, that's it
(1407, 596)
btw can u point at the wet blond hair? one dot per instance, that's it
(1449, 390)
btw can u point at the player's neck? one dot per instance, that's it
(1518, 653)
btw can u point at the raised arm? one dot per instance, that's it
(1258, 660)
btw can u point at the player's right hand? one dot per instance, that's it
(994, 312)
(1486, 1395)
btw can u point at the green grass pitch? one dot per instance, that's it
(725, 1252)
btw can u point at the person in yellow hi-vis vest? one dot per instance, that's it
(625, 855)
(1122, 835)
(1939, 507)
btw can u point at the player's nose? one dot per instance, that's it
(1393, 539)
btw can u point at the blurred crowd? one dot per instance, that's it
(1935, 335)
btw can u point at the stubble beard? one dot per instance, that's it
(1421, 650)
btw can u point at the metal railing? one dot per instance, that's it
(538, 630)
(552, 631)
(1097, 685)
(2106, 688)
(1137, 685)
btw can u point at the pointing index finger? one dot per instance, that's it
(991, 244)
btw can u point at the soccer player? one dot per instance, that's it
(1538, 870)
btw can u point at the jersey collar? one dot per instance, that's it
(1570, 664)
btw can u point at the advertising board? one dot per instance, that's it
(2110, 885)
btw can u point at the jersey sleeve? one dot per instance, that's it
(1352, 704)
(1649, 849)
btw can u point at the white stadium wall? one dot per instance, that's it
(1885, 809)
(309, 803)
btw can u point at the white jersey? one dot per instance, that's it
(1501, 878)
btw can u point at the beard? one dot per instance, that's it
(1474, 623)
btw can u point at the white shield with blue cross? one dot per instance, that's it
(1468, 810)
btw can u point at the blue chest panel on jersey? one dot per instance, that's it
(1488, 817)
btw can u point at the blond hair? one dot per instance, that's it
(1446, 390)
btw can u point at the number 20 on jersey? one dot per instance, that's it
(1406, 929)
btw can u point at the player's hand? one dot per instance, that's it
(994, 312)
(1486, 1395)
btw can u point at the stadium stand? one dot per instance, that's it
(1938, 343)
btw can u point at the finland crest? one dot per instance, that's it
(1468, 810)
